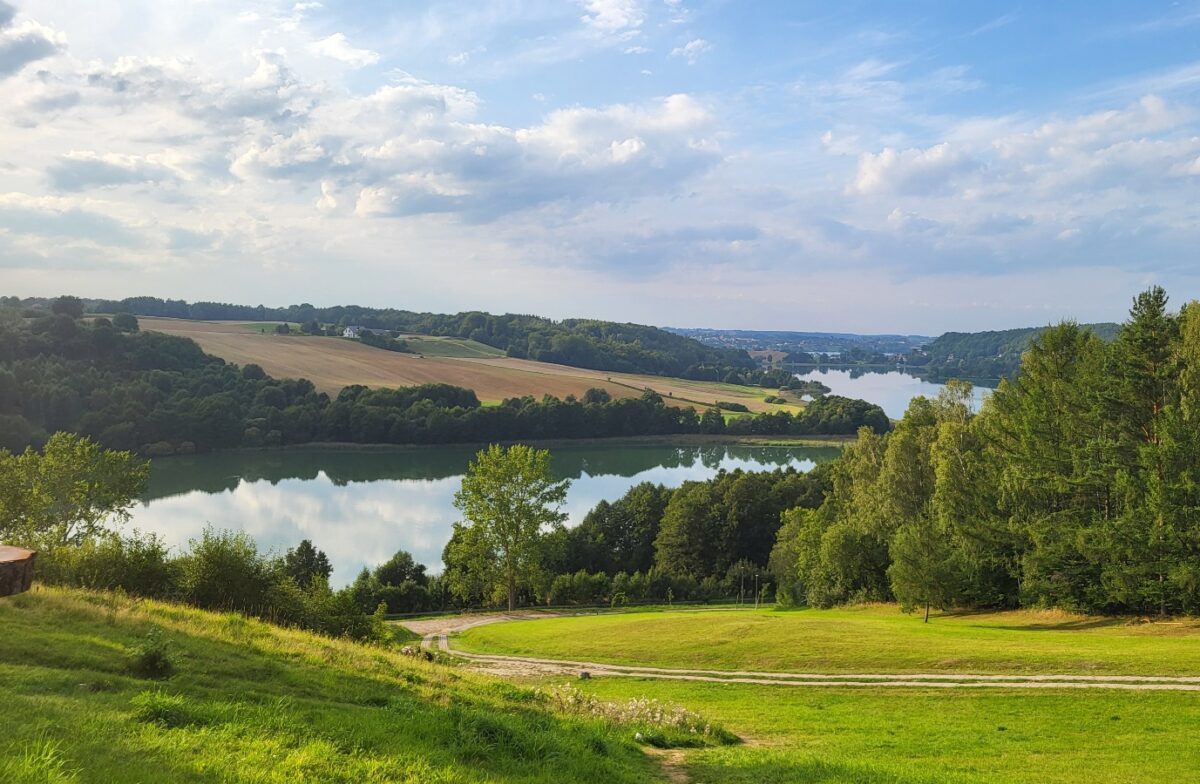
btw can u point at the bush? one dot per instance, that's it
(224, 570)
(137, 564)
(736, 407)
(152, 658)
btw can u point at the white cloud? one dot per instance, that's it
(337, 47)
(24, 41)
(915, 171)
(692, 50)
(614, 16)
(79, 170)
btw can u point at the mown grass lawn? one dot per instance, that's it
(872, 639)
(916, 736)
(250, 702)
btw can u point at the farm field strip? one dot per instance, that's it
(333, 363)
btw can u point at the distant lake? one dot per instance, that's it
(891, 390)
(360, 506)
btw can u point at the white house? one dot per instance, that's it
(352, 332)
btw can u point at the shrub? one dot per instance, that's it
(224, 570)
(737, 407)
(139, 564)
(152, 659)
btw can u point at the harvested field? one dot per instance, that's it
(333, 363)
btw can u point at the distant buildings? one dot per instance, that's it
(354, 332)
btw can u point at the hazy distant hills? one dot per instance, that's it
(806, 342)
(979, 355)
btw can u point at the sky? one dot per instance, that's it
(910, 167)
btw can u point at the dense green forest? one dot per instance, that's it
(984, 355)
(694, 542)
(160, 395)
(586, 343)
(1076, 486)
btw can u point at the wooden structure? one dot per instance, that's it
(16, 569)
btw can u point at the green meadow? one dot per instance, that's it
(920, 736)
(862, 639)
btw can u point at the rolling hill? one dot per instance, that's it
(333, 363)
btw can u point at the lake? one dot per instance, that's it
(891, 390)
(360, 506)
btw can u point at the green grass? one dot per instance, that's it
(915, 736)
(456, 348)
(249, 702)
(857, 640)
(878, 735)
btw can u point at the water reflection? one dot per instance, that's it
(891, 390)
(362, 506)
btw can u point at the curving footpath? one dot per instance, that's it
(437, 633)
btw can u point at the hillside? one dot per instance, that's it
(583, 343)
(993, 354)
(334, 363)
(250, 702)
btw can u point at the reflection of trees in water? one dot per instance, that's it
(218, 473)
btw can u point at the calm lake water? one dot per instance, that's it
(362, 506)
(890, 390)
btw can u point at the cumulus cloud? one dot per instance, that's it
(614, 16)
(24, 41)
(339, 48)
(914, 171)
(692, 50)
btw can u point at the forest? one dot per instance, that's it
(1077, 486)
(983, 355)
(160, 395)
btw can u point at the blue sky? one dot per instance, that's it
(873, 167)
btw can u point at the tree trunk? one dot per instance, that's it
(926, 612)
(512, 592)
(16, 570)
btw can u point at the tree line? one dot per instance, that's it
(704, 540)
(1076, 486)
(160, 395)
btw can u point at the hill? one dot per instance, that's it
(584, 343)
(251, 702)
(334, 363)
(993, 354)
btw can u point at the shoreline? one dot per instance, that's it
(687, 439)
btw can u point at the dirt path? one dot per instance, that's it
(437, 632)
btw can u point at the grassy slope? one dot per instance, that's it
(861, 639)
(332, 363)
(255, 703)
